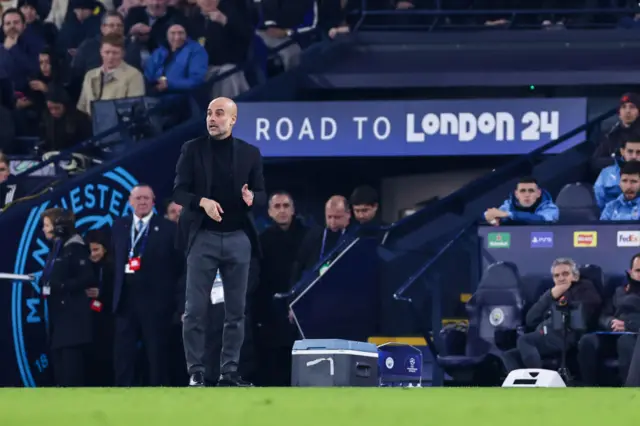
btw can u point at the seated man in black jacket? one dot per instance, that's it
(545, 340)
(621, 314)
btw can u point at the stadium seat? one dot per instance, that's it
(577, 203)
(495, 314)
(594, 274)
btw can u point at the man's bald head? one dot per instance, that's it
(337, 213)
(337, 202)
(221, 117)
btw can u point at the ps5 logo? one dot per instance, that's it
(95, 204)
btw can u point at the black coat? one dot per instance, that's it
(70, 322)
(158, 34)
(157, 283)
(624, 305)
(582, 291)
(194, 181)
(279, 251)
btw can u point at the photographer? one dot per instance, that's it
(568, 289)
(621, 314)
(66, 276)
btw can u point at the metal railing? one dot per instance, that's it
(439, 15)
(456, 201)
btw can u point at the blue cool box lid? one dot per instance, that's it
(334, 344)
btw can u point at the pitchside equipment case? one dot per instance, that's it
(334, 362)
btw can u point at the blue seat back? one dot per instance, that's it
(577, 203)
(496, 306)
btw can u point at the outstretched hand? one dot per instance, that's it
(247, 195)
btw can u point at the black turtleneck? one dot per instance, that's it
(223, 190)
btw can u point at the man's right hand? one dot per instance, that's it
(140, 29)
(559, 290)
(617, 325)
(212, 208)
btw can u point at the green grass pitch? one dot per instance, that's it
(319, 406)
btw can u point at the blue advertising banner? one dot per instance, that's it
(534, 248)
(409, 128)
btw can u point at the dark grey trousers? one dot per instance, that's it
(231, 253)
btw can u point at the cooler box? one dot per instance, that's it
(334, 362)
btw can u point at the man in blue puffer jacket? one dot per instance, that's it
(627, 205)
(527, 205)
(180, 67)
(607, 186)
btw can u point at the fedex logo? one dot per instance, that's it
(628, 239)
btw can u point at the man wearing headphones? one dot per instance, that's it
(67, 274)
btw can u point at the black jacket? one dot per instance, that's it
(227, 44)
(194, 181)
(610, 144)
(298, 15)
(624, 305)
(70, 319)
(280, 249)
(582, 291)
(158, 34)
(158, 281)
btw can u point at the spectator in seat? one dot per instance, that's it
(333, 17)
(39, 85)
(23, 49)
(627, 205)
(226, 35)
(35, 27)
(7, 192)
(544, 340)
(114, 80)
(620, 314)
(284, 20)
(62, 125)
(180, 67)
(148, 25)
(621, 131)
(364, 203)
(527, 205)
(607, 186)
(88, 54)
(78, 26)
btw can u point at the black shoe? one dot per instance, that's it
(197, 380)
(233, 379)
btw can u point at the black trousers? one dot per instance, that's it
(130, 326)
(69, 366)
(531, 347)
(592, 348)
(633, 378)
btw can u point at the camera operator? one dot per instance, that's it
(620, 314)
(66, 276)
(568, 289)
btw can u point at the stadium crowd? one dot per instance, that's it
(58, 58)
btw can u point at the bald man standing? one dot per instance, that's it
(218, 182)
(319, 242)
